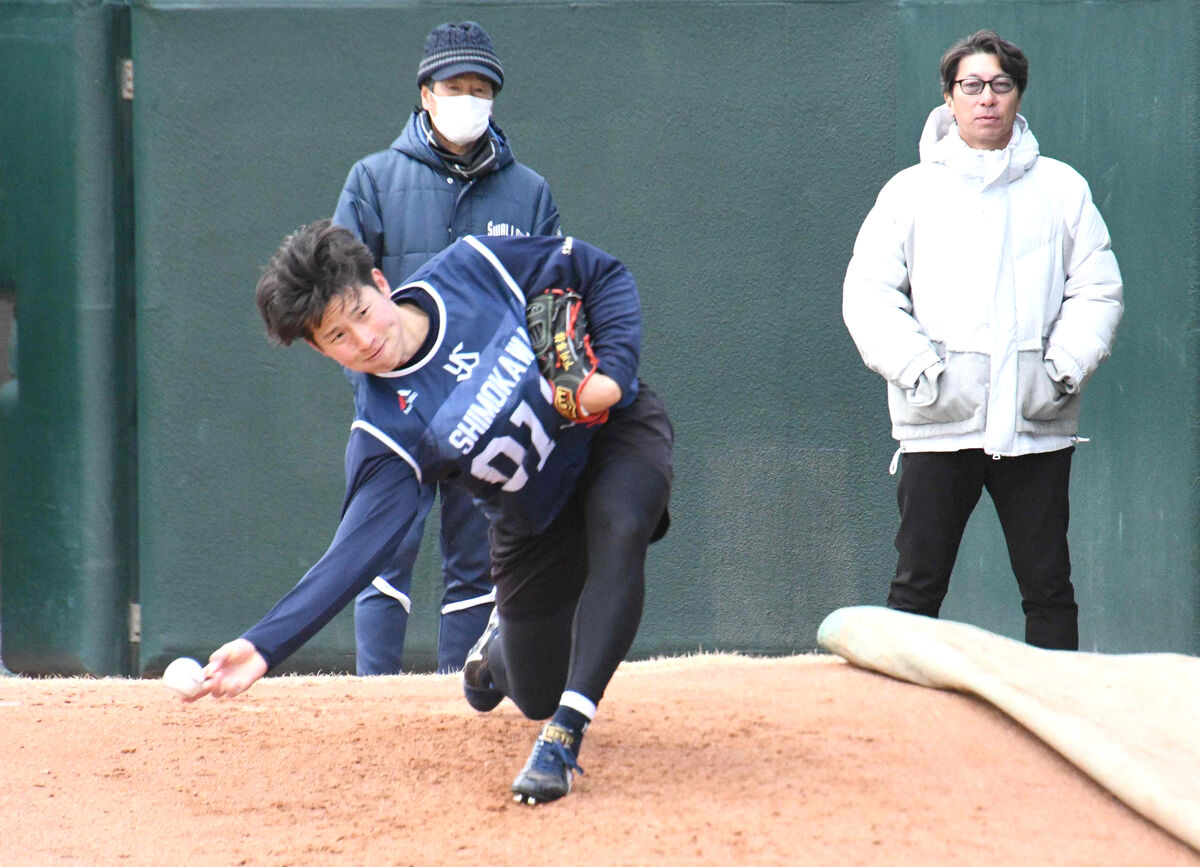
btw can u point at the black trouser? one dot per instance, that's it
(937, 493)
(570, 599)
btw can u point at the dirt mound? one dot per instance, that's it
(701, 760)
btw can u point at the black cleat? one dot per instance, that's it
(478, 687)
(547, 775)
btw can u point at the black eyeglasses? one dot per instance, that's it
(975, 86)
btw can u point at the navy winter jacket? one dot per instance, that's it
(406, 205)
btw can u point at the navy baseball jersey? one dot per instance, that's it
(469, 408)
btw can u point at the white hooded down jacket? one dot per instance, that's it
(983, 289)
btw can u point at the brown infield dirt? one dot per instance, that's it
(699, 760)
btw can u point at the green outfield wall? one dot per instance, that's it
(727, 151)
(67, 441)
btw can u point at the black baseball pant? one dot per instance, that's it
(570, 599)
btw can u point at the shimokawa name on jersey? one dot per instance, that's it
(485, 418)
(470, 407)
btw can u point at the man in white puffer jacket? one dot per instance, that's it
(984, 290)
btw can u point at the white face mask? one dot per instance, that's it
(461, 119)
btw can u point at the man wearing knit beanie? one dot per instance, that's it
(450, 173)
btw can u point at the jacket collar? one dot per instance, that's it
(941, 143)
(417, 141)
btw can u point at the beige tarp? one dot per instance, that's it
(1131, 722)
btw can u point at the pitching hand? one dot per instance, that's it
(232, 669)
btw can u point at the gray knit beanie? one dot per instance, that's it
(452, 49)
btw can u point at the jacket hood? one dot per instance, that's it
(412, 142)
(941, 143)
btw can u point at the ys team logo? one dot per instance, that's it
(461, 363)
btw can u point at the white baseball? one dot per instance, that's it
(185, 676)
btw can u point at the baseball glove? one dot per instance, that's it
(558, 332)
